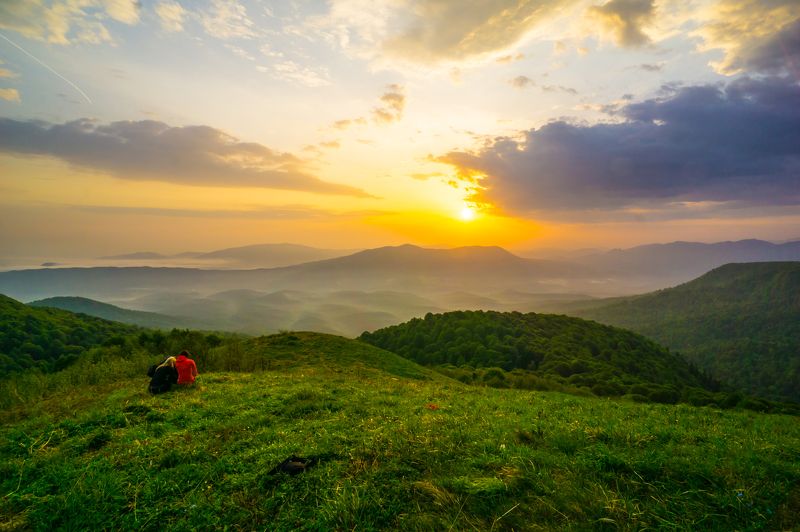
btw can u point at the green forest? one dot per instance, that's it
(739, 323)
(552, 352)
(50, 339)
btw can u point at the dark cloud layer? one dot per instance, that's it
(150, 150)
(779, 53)
(737, 143)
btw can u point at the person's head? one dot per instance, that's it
(170, 361)
(185, 353)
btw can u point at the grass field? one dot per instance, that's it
(397, 447)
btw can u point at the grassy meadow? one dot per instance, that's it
(398, 446)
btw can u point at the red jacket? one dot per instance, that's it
(187, 369)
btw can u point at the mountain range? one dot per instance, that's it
(739, 322)
(253, 256)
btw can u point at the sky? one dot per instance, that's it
(171, 125)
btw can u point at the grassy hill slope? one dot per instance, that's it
(588, 355)
(48, 338)
(739, 322)
(110, 312)
(392, 453)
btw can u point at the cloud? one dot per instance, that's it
(171, 15)
(126, 11)
(755, 35)
(435, 31)
(738, 143)
(393, 102)
(650, 67)
(522, 82)
(227, 19)
(348, 122)
(509, 58)
(623, 20)
(272, 212)
(66, 21)
(155, 151)
(390, 109)
(10, 95)
(295, 73)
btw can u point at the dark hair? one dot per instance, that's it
(185, 353)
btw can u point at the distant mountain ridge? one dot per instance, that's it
(739, 322)
(252, 256)
(685, 260)
(110, 312)
(479, 269)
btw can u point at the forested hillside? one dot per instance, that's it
(572, 352)
(114, 313)
(49, 338)
(739, 322)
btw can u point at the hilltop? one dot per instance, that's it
(49, 338)
(739, 322)
(395, 446)
(110, 312)
(542, 348)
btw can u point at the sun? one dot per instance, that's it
(467, 213)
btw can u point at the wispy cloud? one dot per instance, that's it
(349, 122)
(227, 19)
(509, 58)
(293, 72)
(650, 67)
(624, 20)
(434, 31)
(522, 82)
(171, 15)
(393, 102)
(5, 73)
(10, 95)
(150, 150)
(271, 212)
(67, 21)
(390, 109)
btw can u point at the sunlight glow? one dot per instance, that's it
(467, 213)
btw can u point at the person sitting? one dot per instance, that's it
(187, 369)
(164, 377)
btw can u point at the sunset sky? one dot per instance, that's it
(175, 125)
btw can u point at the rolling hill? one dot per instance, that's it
(597, 358)
(110, 312)
(739, 322)
(49, 338)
